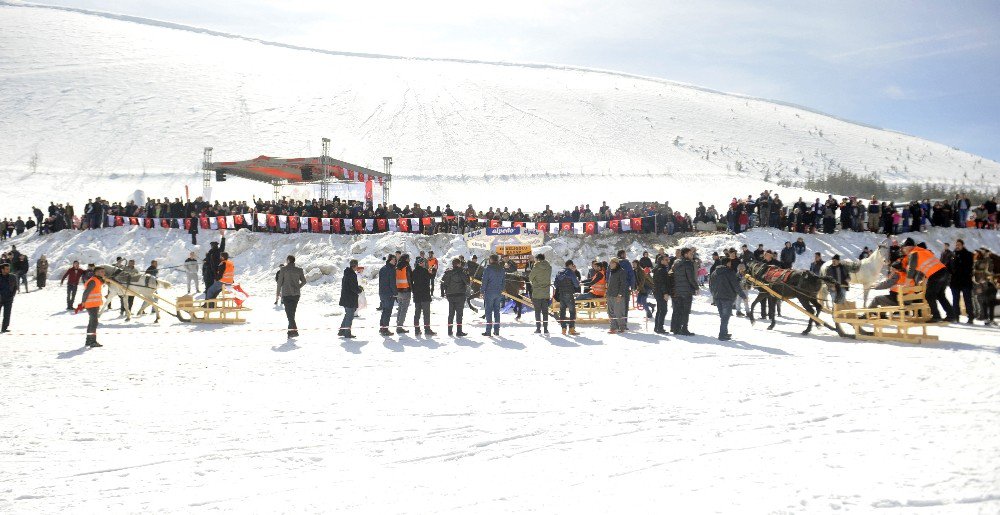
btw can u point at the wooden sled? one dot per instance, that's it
(220, 310)
(588, 311)
(907, 321)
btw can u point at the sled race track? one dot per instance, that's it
(187, 418)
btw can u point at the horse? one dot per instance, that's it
(865, 272)
(136, 282)
(801, 285)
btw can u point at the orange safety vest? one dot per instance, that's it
(96, 297)
(402, 283)
(228, 272)
(600, 288)
(432, 263)
(901, 280)
(927, 264)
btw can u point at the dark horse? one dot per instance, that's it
(801, 285)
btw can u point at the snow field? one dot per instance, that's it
(191, 418)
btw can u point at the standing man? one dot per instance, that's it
(386, 293)
(817, 264)
(191, 272)
(21, 269)
(74, 274)
(291, 279)
(630, 282)
(787, 257)
(92, 301)
(685, 286)
(617, 297)
(838, 272)
(961, 280)
(567, 284)
(41, 271)
(350, 290)
(193, 230)
(661, 291)
(211, 264)
(8, 288)
(455, 283)
(921, 265)
(493, 285)
(432, 266)
(404, 290)
(725, 287)
(540, 279)
(423, 292)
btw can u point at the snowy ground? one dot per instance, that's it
(190, 418)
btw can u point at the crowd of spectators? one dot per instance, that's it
(765, 210)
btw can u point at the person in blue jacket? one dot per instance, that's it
(493, 284)
(626, 266)
(386, 293)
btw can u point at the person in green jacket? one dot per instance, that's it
(540, 279)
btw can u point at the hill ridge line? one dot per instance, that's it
(544, 66)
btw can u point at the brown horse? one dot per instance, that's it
(801, 285)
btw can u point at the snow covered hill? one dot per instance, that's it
(110, 104)
(175, 417)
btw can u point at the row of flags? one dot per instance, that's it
(372, 225)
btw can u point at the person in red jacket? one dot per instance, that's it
(73, 275)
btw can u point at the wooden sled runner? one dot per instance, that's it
(220, 310)
(588, 311)
(907, 321)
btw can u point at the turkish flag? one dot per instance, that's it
(426, 221)
(637, 224)
(272, 220)
(238, 219)
(614, 224)
(221, 220)
(165, 223)
(119, 221)
(203, 222)
(336, 225)
(589, 227)
(542, 226)
(381, 224)
(494, 224)
(518, 224)
(133, 220)
(404, 225)
(361, 177)
(293, 223)
(359, 225)
(187, 224)
(314, 224)
(566, 226)
(148, 223)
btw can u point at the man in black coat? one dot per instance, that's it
(661, 292)
(193, 229)
(421, 281)
(386, 293)
(8, 289)
(212, 259)
(350, 290)
(685, 286)
(961, 279)
(455, 284)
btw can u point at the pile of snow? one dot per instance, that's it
(110, 104)
(180, 417)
